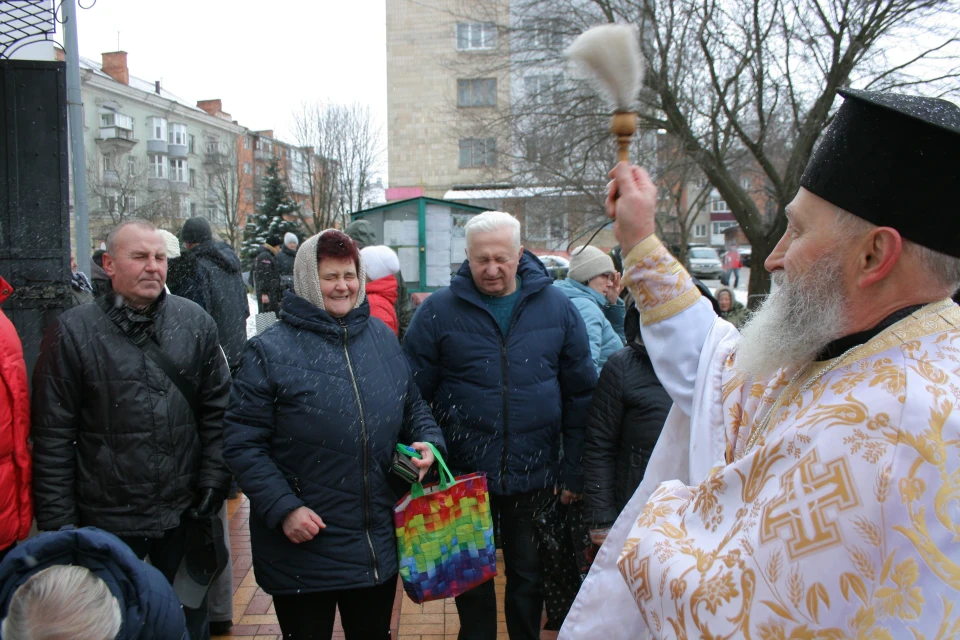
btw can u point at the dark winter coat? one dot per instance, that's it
(183, 279)
(223, 295)
(626, 417)
(150, 608)
(737, 313)
(315, 414)
(16, 504)
(504, 402)
(285, 259)
(266, 277)
(115, 443)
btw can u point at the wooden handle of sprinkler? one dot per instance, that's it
(623, 126)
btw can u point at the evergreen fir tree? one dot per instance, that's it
(271, 217)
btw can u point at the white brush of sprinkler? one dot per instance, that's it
(610, 56)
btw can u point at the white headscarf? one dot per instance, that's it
(306, 277)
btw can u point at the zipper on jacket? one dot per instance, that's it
(506, 406)
(365, 483)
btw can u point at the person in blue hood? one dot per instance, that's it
(504, 359)
(593, 285)
(149, 608)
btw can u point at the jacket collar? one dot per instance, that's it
(300, 313)
(582, 291)
(533, 278)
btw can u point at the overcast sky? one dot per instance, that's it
(262, 58)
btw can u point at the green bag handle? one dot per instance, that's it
(446, 478)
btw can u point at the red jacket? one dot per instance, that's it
(382, 295)
(16, 504)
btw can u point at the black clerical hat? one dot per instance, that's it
(893, 160)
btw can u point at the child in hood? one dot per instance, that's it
(381, 265)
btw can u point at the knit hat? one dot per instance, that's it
(379, 261)
(306, 276)
(196, 230)
(290, 237)
(273, 240)
(589, 262)
(362, 233)
(173, 245)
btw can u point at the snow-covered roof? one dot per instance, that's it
(140, 85)
(491, 194)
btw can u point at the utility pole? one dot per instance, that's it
(75, 126)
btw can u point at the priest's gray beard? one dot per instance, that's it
(795, 322)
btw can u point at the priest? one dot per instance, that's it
(819, 490)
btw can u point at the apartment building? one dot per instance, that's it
(453, 68)
(150, 153)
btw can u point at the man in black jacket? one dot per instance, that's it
(220, 281)
(266, 276)
(118, 443)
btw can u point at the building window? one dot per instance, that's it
(158, 167)
(543, 33)
(107, 163)
(191, 144)
(212, 145)
(718, 227)
(193, 209)
(699, 230)
(177, 134)
(477, 92)
(545, 221)
(248, 195)
(474, 36)
(131, 166)
(158, 128)
(129, 203)
(259, 170)
(109, 204)
(542, 89)
(478, 152)
(718, 205)
(193, 177)
(114, 119)
(246, 168)
(246, 142)
(178, 170)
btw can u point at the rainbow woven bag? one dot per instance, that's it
(445, 536)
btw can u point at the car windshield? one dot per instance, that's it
(704, 253)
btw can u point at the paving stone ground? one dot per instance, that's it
(254, 616)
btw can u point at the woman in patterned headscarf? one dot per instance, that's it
(319, 404)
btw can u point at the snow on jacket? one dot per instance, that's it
(316, 412)
(604, 321)
(150, 608)
(115, 443)
(16, 504)
(504, 402)
(626, 418)
(224, 295)
(382, 296)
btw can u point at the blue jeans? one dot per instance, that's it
(736, 274)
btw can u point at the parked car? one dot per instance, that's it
(557, 266)
(745, 253)
(704, 262)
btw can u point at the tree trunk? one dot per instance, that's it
(759, 285)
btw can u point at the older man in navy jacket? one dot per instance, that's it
(504, 360)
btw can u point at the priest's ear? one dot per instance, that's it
(879, 252)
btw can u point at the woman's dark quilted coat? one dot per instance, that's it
(626, 418)
(315, 414)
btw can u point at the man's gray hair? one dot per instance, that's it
(493, 221)
(112, 238)
(63, 601)
(944, 270)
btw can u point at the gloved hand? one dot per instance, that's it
(207, 505)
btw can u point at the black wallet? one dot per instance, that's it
(402, 467)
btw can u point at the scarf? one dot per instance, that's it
(306, 277)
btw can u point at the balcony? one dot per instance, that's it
(179, 187)
(177, 150)
(156, 184)
(111, 179)
(156, 146)
(263, 154)
(116, 139)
